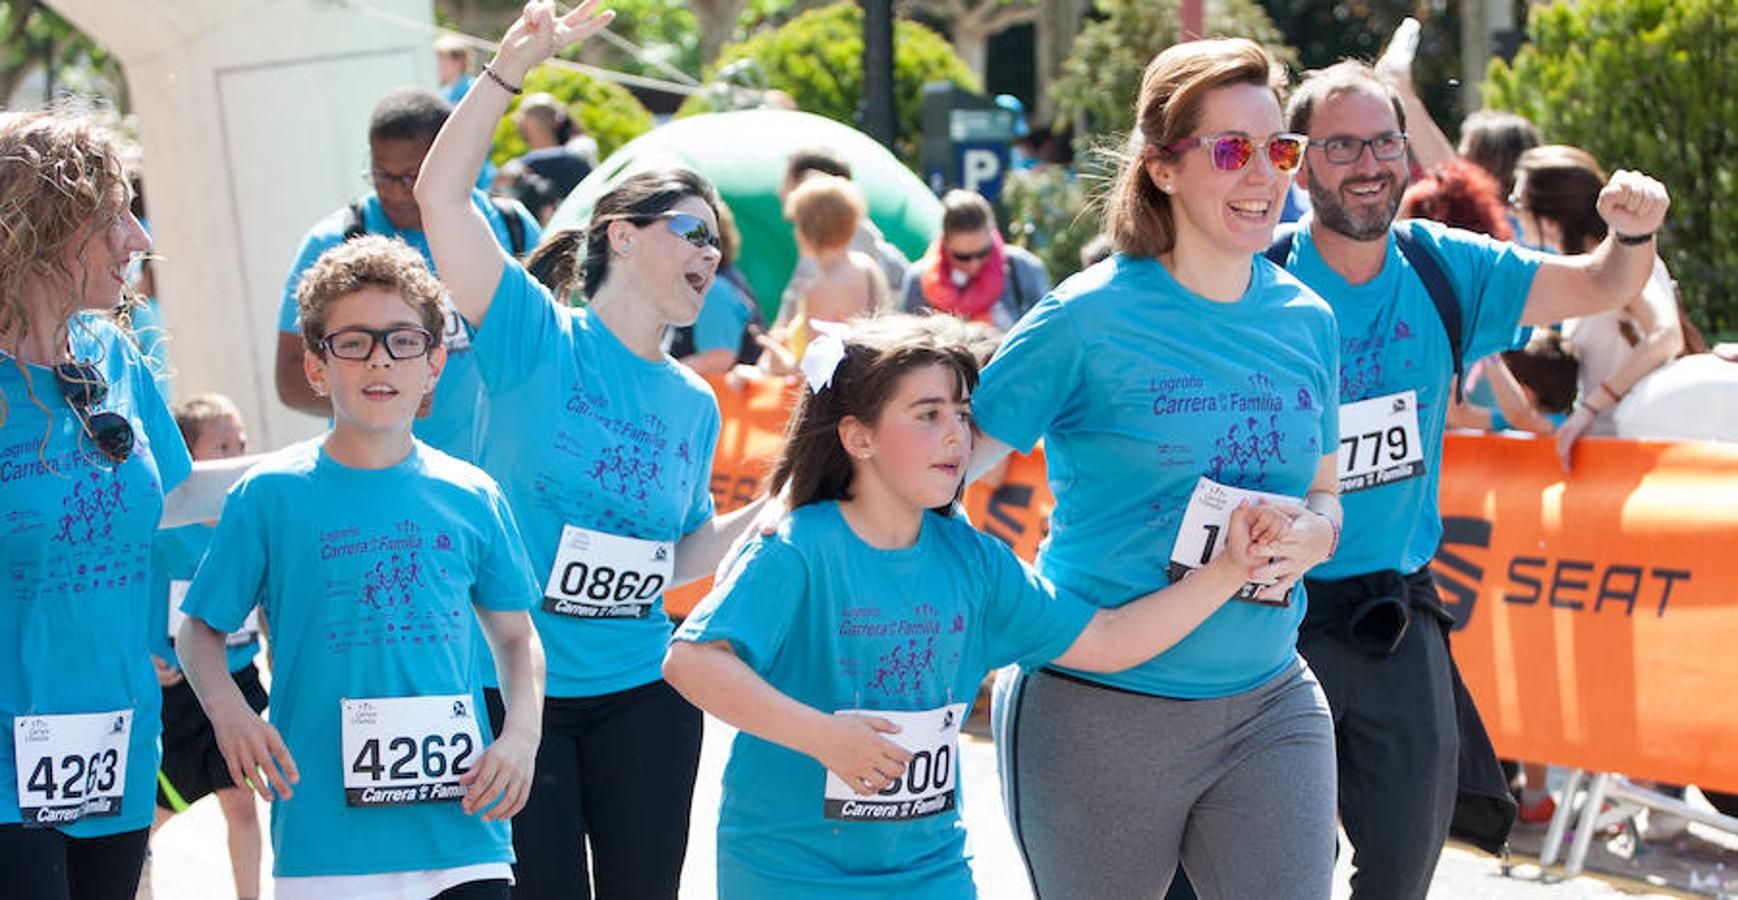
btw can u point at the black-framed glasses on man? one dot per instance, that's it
(1341, 150)
(387, 179)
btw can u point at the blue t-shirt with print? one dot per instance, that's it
(836, 624)
(175, 556)
(723, 315)
(583, 432)
(454, 419)
(1139, 387)
(75, 558)
(1391, 341)
(368, 579)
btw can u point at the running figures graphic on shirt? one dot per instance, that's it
(602, 575)
(400, 750)
(926, 788)
(71, 767)
(1201, 537)
(1379, 441)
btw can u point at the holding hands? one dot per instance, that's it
(1633, 204)
(1276, 544)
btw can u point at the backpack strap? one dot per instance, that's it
(354, 226)
(1280, 250)
(515, 225)
(1441, 290)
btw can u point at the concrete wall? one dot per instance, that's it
(254, 119)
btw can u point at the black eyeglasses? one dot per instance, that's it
(357, 344)
(971, 257)
(1388, 146)
(379, 178)
(692, 228)
(83, 388)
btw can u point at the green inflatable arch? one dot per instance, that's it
(743, 154)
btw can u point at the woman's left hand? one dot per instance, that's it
(1571, 431)
(1307, 543)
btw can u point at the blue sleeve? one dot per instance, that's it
(168, 448)
(1491, 279)
(1033, 382)
(700, 505)
(231, 578)
(504, 578)
(318, 241)
(1025, 620)
(755, 605)
(522, 326)
(723, 316)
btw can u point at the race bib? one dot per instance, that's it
(400, 750)
(454, 336)
(928, 786)
(178, 592)
(606, 576)
(1202, 538)
(71, 767)
(1379, 442)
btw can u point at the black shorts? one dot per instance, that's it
(192, 765)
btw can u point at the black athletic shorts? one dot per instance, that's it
(192, 765)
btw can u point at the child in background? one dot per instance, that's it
(193, 766)
(849, 645)
(367, 552)
(825, 210)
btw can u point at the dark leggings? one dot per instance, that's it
(616, 771)
(43, 864)
(490, 889)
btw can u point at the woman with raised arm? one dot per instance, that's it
(603, 445)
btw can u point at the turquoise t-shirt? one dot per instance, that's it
(1392, 341)
(457, 413)
(585, 433)
(75, 557)
(723, 316)
(1139, 388)
(175, 556)
(837, 624)
(367, 579)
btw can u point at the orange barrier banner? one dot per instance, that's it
(1598, 613)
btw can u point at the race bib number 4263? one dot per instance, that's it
(928, 786)
(598, 575)
(71, 767)
(1201, 537)
(1379, 442)
(400, 750)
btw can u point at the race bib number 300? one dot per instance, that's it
(1201, 538)
(1379, 442)
(928, 785)
(600, 575)
(400, 750)
(71, 767)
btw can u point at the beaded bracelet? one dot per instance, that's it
(493, 76)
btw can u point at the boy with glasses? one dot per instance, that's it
(373, 558)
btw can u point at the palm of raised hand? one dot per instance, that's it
(539, 33)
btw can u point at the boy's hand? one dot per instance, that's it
(167, 675)
(852, 748)
(256, 754)
(503, 774)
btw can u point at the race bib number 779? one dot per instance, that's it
(1379, 442)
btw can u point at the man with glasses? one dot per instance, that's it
(970, 273)
(403, 125)
(1376, 631)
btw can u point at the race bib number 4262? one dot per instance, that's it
(400, 750)
(598, 575)
(1379, 442)
(71, 767)
(928, 786)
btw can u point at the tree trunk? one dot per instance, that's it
(972, 45)
(717, 25)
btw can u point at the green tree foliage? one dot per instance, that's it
(609, 113)
(33, 36)
(818, 58)
(1649, 85)
(1102, 74)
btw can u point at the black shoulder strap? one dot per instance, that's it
(515, 225)
(354, 226)
(1280, 250)
(1441, 291)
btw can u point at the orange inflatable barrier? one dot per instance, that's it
(1598, 613)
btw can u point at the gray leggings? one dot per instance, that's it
(1106, 790)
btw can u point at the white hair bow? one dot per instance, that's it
(824, 353)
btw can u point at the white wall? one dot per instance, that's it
(254, 119)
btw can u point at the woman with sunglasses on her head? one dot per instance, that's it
(1168, 382)
(603, 446)
(87, 450)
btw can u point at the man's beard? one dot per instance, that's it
(1334, 215)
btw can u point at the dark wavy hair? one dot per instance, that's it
(878, 352)
(1459, 194)
(579, 258)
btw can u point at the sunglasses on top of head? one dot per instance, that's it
(691, 228)
(82, 386)
(1231, 151)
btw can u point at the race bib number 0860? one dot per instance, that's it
(400, 750)
(601, 575)
(1379, 442)
(1201, 538)
(71, 767)
(928, 786)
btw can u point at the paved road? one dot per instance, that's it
(191, 863)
